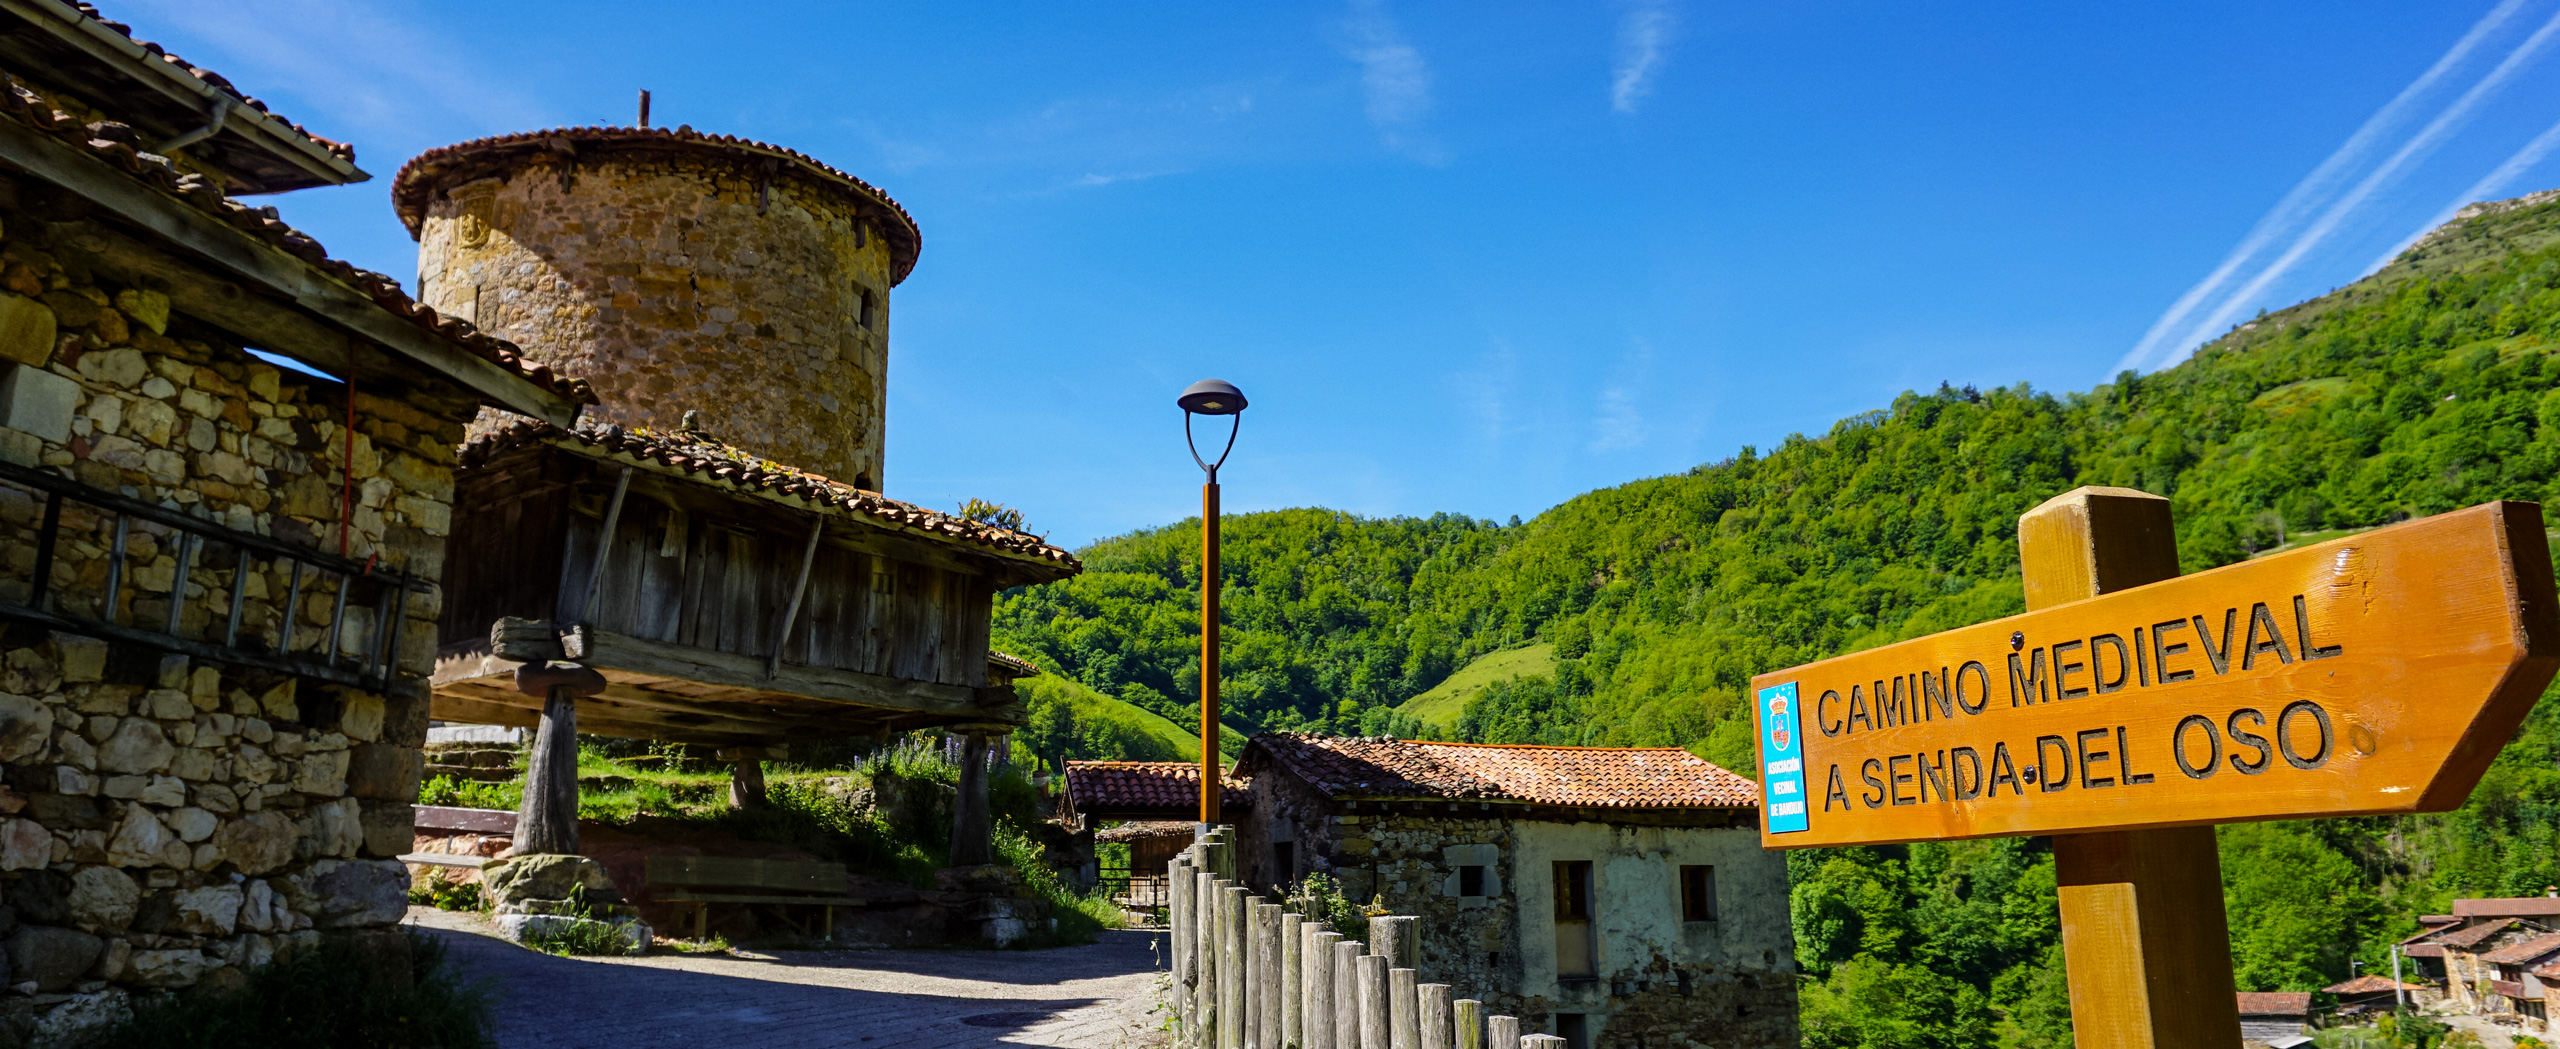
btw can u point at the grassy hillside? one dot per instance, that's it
(1439, 706)
(1069, 720)
(2426, 388)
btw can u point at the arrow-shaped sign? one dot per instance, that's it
(2371, 674)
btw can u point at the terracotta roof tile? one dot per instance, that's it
(2275, 1003)
(1136, 786)
(341, 150)
(1610, 777)
(426, 174)
(2522, 953)
(2370, 983)
(2424, 950)
(1013, 665)
(262, 222)
(2508, 907)
(2549, 973)
(1146, 830)
(2474, 936)
(697, 454)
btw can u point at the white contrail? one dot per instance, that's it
(2489, 186)
(2307, 194)
(2425, 141)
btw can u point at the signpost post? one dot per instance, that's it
(2130, 709)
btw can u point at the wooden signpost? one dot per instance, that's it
(2131, 708)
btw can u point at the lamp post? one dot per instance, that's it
(1210, 397)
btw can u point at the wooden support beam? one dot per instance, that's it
(269, 271)
(972, 816)
(746, 784)
(609, 651)
(547, 819)
(2144, 937)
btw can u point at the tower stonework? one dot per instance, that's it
(676, 272)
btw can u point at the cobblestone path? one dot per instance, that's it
(1092, 997)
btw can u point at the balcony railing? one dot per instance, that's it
(110, 566)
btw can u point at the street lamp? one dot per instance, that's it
(1210, 397)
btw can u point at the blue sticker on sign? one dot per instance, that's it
(1781, 760)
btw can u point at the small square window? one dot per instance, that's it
(1697, 892)
(1471, 880)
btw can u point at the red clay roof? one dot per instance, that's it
(2424, 950)
(2275, 1003)
(2524, 952)
(100, 141)
(215, 80)
(696, 453)
(1168, 787)
(430, 172)
(2370, 983)
(2473, 936)
(1609, 777)
(2508, 907)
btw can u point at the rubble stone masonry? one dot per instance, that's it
(678, 281)
(166, 822)
(1728, 983)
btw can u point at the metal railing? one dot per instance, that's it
(200, 548)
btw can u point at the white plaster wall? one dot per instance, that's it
(1635, 873)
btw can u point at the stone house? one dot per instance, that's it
(218, 577)
(2487, 953)
(2373, 993)
(1613, 896)
(1153, 807)
(2514, 986)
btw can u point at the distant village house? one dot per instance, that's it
(1614, 896)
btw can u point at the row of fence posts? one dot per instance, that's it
(1250, 974)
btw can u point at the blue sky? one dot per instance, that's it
(1480, 257)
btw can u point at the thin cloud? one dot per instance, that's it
(2489, 187)
(2173, 331)
(1642, 37)
(1619, 423)
(1395, 81)
(2424, 142)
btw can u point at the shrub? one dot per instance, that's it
(323, 998)
(1320, 898)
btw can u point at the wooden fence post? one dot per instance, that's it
(1467, 1016)
(1293, 977)
(1404, 1024)
(1502, 1032)
(1346, 993)
(1231, 972)
(1204, 949)
(1373, 1003)
(1395, 939)
(1319, 985)
(1433, 1007)
(1177, 882)
(2145, 942)
(1266, 974)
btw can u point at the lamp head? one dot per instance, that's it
(1212, 397)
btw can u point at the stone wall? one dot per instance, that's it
(165, 822)
(661, 279)
(1663, 982)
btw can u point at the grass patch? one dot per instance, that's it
(441, 891)
(323, 998)
(1440, 706)
(471, 794)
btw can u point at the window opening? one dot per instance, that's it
(1471, 880)
(1575, 955)
(1697, 892)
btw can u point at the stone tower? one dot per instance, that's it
(676, 271)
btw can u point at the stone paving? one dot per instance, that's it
(1091, 997)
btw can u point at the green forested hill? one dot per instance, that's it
(2431, 386)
